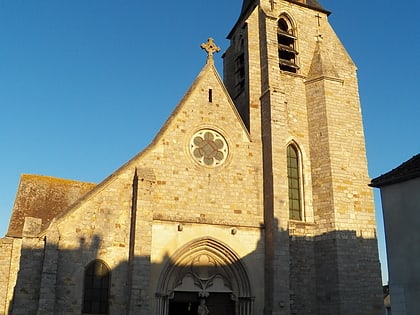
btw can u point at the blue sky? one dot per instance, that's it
(85, 85)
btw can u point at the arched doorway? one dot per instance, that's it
(204, 271)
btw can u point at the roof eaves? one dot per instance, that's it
(406, 171)
(311, 4)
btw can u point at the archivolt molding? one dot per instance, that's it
(204, 265)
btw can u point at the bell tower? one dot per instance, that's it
(295, 87)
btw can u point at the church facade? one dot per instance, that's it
(252, 199)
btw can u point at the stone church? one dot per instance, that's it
(252, 199)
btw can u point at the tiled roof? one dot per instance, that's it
(406, 171)
(43, 197)
(314, 4)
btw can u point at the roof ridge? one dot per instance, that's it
(48, 177)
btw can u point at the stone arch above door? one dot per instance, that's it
(205, 266)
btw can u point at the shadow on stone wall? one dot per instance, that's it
(335, 273)
(50, 281)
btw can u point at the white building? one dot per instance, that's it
(400, 194)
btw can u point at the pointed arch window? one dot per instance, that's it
(96, 288)
(294, 182)
(286, 41)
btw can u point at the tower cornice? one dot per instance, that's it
(249, 5)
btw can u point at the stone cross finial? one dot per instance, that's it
(210, 47)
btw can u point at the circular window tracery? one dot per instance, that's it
(209, 148)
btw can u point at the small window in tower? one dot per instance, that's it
(286, 41)
(240, 67)
(240, 73)
(294, 183)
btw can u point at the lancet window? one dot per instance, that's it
(294, 182)
(286, 40)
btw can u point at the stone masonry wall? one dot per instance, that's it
(6, 248)
(229, 194)
(26, 292)
(318, 108)
(302, 276)
(97, 228)
(10, 259)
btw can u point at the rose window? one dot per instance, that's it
(209, 148)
